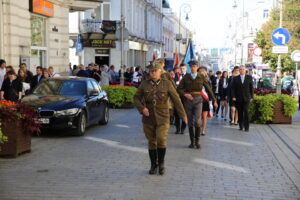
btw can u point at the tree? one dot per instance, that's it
(291, 21)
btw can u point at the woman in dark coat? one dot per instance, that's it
(223, 91)
(11, 89)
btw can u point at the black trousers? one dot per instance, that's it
(216, 110)
(243, 114)
(180, 127)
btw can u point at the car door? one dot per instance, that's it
(99, 110)
(91, 103)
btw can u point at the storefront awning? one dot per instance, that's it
(82, 5)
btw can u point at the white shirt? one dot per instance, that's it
(55, 75)
(2, 74)
(225, 84)
(217, 88)
(194, 76)
(136, 78)
(243, 78)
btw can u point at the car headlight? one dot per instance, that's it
(71, 111)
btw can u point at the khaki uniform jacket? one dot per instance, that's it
(157, 102)
(188, 85)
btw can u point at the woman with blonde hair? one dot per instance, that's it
(206, 105)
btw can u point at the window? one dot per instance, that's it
(90, 87)
(96, 86)
(266, 13)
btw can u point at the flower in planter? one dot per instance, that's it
(11, 111)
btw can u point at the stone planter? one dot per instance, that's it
(279, 117)
(18, 142)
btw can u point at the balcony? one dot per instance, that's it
(91, 26)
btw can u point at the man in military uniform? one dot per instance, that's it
(190, 88)
(151, 99)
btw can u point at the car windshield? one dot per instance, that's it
(61, 87)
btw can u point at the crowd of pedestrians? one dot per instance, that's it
(14, 85)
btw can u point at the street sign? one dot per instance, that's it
(296, 56)
(257, 51)
(280, 49)
(257, 59)
(281, 36)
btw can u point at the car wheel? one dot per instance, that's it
(105, 119)
(81, 124)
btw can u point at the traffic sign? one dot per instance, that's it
(281, 36)
(257, 51)
(296, 56)
(280, 49)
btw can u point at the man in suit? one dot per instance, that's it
(37, 78)
(242, 95)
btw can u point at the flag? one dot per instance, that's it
(190, 55)
(79, 45)
(176, 59)
(153, 57)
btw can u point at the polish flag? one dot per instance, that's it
(153, 57)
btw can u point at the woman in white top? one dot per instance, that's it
(137, 77)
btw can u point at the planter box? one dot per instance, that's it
(18, 142)
(278, 116)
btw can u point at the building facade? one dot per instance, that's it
(35, 32)
(142, 33)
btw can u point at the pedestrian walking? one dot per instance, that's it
(151, 99)
(223, 92)
(242, 94)
(179, 124)
(215, 87)
(206, 105)
(233, 111)
(190, 88)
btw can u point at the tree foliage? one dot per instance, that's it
(291, 21)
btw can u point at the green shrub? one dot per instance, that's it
(261, 108)
(2, 137)
(120, 95)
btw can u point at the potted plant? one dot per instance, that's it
(120, 96)
(272, 108)
(18, 122)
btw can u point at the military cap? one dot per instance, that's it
(155, 66)
(193, 62)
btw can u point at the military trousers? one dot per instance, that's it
(193, 109)
(156, 135)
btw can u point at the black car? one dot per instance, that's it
(69, 102)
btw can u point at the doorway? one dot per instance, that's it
(102, 60)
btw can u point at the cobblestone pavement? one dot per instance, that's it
(111, 163)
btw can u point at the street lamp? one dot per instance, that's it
(186, 9)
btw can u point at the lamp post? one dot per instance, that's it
(122, 81)
(243, 24)
(187, 9)
(278, 84)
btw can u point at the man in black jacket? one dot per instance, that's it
(37, 78)
(242, 94)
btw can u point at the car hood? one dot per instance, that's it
(53, 101)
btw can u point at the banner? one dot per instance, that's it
(79, 45)
(176, 59)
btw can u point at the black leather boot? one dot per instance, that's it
(192, 136)
(197, 137)
(183, 126)
(161, 160)
(153, 159)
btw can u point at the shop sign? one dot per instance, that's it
(42, 7)
(101, 51)
(135, 45)
(99, 43)
(109, 26)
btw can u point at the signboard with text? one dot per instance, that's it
(42, 7)
(99, 43)
(102, 51)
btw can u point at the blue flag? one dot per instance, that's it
(79, 45)
(190, 55)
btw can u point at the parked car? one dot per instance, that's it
(69, 103)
